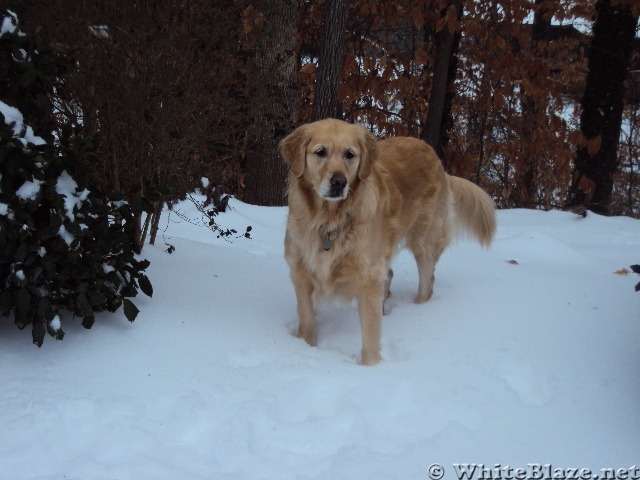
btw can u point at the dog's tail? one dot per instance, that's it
(474, 210)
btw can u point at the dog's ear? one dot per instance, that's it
(293, 149)
(369, 152)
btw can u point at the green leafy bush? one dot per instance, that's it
(636, 269)
(63, 246)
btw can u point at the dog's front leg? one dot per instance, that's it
(306, 309)
(370, 310)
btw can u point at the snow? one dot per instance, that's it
(107, 268)
(13, 118)
(55, 323)
(66, 235)
(5, 211)
(67, 186)
(535, 361)
(100, 31)
(29, 190)
(9, 24)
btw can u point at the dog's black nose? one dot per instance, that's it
(338, 181)
(337, 185)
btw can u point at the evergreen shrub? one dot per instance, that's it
(63, 246)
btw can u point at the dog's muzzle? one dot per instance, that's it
(338, 184)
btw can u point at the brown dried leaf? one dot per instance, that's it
(622, 271)
(452, 19)
(594, 144)
(421, 56)
(418, 18)
(586, 184)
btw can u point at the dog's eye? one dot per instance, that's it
(322, 152)
(349, 154)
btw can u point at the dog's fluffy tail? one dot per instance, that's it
(474, 210)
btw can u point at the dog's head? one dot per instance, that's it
(331, 155)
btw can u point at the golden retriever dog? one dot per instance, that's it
(354, 201)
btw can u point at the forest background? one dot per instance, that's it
(535, 100)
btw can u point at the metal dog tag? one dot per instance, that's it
(327, 243)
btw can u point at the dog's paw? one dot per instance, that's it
(370, 358)
(424, 297)
(308, 336)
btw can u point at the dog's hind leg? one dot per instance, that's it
(387, 284)
(427, 240)
(426, 274)
(427, 251)
(387, 291)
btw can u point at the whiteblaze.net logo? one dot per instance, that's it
(533, 471)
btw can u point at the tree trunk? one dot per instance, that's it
(437, 121)
(602, 105)
(447, 121)
(145, 230)
(325, 103)
(155, 221)
(273, 99)
(525, 194)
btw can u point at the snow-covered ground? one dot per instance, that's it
(510, 364)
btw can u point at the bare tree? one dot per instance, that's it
(524, 193)
(272, 106)
(447, 39)
(602, 104)
(325, 102)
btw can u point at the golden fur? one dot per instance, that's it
(353, 202)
